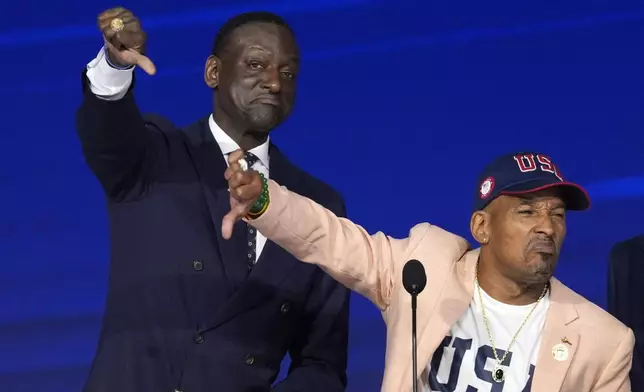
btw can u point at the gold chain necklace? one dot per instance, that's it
(498, 374)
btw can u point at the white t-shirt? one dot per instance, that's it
(464, 361)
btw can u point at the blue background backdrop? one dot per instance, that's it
(401, 103)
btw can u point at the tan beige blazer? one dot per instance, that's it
(600, 347)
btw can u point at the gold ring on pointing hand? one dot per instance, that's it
(117, 25)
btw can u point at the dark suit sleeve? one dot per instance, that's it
(319, 355)
(120, 147)
(626, 298)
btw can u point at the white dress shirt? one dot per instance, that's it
(111, 84)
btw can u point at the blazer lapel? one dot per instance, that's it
(559, 342)
(211, 165)
(274, 263)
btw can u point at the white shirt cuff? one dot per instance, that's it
(107, 82)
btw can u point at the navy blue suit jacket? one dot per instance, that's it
(626, 297)
(183, 310)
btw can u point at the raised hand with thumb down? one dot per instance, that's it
(248, 192)
(125, 39)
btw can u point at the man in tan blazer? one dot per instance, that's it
(490, 319)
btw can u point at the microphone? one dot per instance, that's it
(414, 281)
(414, 278)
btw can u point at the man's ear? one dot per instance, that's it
(480, 226)
(211, 71)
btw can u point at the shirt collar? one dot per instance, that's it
(228, 145)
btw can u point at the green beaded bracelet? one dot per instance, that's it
(263, 197)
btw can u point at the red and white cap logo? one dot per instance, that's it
(486, 187)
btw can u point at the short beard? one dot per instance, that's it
(543, 271)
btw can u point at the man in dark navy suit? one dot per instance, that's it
(187, 310)
(626, 297)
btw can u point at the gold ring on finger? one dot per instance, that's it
(117, 25)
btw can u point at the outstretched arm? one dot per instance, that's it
(362, 262)
(119, 146)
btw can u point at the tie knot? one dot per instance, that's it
(251, 159)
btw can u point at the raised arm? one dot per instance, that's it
(364, 263)
(119, 147)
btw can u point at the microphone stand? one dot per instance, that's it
(414, 353)
(414, 281)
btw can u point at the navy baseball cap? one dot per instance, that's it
(523, 173)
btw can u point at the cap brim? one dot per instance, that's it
(573, 195)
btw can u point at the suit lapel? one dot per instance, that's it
(211, 166)
(559, 342)
(274, 263)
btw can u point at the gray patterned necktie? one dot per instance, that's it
(251, 159)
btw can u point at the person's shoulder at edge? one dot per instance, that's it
(627, 244)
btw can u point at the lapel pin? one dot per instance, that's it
(560, 352)
(565, 340)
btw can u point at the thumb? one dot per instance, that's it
(143, 62)
(227, 224)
